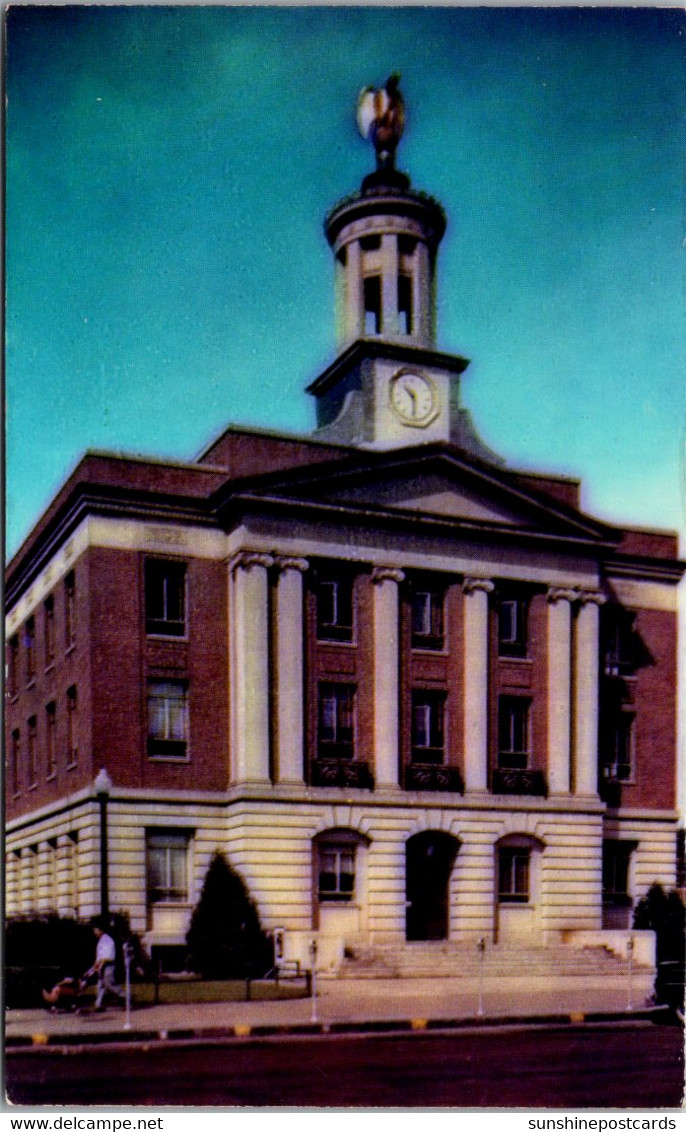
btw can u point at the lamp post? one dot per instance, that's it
(128, 956)
(103, 789)
(313, 958)
(630, 966)
(481, 945)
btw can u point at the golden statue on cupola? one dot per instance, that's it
(381, 116)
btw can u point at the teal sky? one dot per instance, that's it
(168, 171)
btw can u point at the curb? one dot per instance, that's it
(46, 1043)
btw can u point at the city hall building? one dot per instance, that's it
(411, 693)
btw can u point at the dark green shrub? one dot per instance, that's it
(41, 950)
(225, 939)
(665, 914)
(49, 941)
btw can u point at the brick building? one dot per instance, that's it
(413, 694)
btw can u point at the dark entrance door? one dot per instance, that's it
(428, 864)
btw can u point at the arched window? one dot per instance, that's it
(516, 860)
(336, 865)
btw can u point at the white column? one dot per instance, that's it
(44, 886)
(65, 902)
(389, 284)
(289, 661)
(28, 880)
(422, 295)
(475, 667)
(250, 654)
(559, 688)
(354, 297)
(386, 676)
(586, 694)
(12, 884)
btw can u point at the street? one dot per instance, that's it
(600, 1066)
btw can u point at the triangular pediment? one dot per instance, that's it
(432, 494)
(438, 482)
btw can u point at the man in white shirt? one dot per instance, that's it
(105, 955)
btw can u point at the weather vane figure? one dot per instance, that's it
(381, 116)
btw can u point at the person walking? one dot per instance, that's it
(105, 954)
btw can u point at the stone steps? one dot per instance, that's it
(445, 960)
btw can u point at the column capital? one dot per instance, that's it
(473, 585)
(246, 559)
(562, 593)
(387, 574)
(284, 563)
(592, 597)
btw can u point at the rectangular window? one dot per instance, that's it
(336, 720)
(13, 666)
(616, 862)
(15, 755)
(372, 304)
(167, 866)
(335, 608)
(32, 751)
(165, 598)
(70, 610)
(51, 739)
(620, 642)
(49, 630)
(427, 619)
(513, 732)
(30, 649)
(72, 732)
(513, 627)
(168, 719)
(336, 872)
(404, 304)
(428, 720)
(513, 876)
(618, 764)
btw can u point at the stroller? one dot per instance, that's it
(66, 996)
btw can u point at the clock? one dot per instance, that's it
(413, 398)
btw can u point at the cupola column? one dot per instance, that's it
(389, 285)
(289, 664)
(386, 675)
(423, 297)
(586, 693)
(352, 298)
(250, 666)
(476, 591)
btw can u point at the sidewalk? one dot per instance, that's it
(346, 1004)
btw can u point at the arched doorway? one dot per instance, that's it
(429, 859)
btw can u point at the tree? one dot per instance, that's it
(664, 913)
(225, 939)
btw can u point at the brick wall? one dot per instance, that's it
(53, 678)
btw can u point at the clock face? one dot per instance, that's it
(413, 398)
